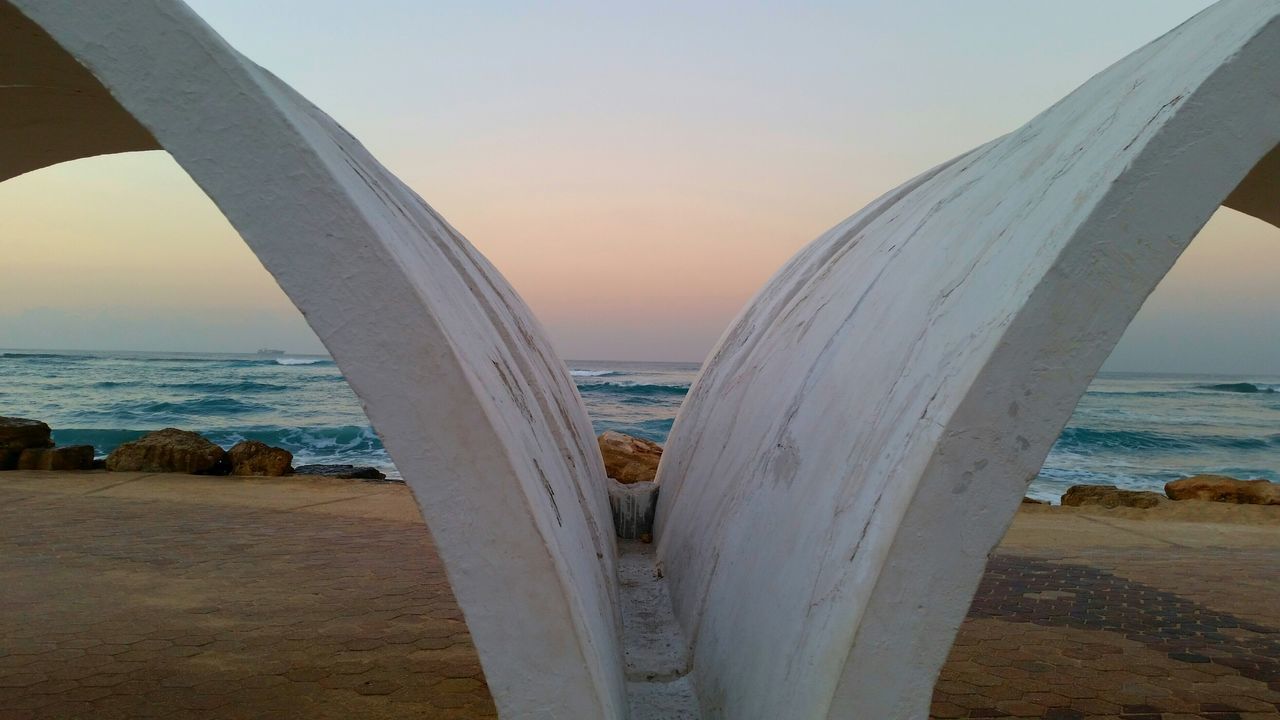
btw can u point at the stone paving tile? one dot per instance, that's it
(1239, 581)
(1068, 640)
(117, 607)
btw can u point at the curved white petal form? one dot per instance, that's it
(476, 410)
(865, 430)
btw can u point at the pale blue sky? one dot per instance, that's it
(637, 170)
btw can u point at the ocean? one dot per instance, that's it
(1133, 431)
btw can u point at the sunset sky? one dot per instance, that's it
(636, 170)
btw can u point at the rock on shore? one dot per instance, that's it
(1220, 488)
(1109, 496)
(631, 464)
(18, 434)
(251, 457)
(169, 450)
(629, 459)
(342, 472)
(73, 457)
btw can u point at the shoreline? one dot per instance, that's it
(1034, 525)
(1128, 429)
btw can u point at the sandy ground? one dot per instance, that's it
(136, 595)
(1187, 523)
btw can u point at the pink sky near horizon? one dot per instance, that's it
(637, 174)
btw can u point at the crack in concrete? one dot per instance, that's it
(325, 502)
(105, 488)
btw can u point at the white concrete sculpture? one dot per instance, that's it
(479, 414)
(854, 448)
(862, 436)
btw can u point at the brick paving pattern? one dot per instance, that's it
(124, 607)
(1047, 638)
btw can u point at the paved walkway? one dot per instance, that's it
(1096, 615)
(294, 599)
(1061, 640)
(127, 596)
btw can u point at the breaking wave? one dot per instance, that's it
(1084, 440)
(1240, 387)
(634, 389)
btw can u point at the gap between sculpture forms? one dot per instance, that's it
(633, 506)
(657, 657)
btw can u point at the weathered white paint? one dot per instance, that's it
(633, 506)
(474, 407)
(864, 432)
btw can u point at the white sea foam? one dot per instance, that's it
(591, 373)
(299, 361)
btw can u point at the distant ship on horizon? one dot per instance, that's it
(270, 351)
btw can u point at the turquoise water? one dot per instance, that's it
(1135, 431)
(1141, 431)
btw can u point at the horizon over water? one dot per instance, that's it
(1133, 430)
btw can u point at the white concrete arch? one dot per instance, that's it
(473, 405)
(861, 437)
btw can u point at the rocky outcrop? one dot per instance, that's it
(345, 472)
(73, 457)
(18, 434)
(250, 457)
(629, 459)
(1109, 496)
(1221, 488)
(633, 507)
(169, 450)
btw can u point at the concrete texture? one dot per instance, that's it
(863, 434)
(477, 411)
(633, 506)
(657, 655)
(130, 595)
